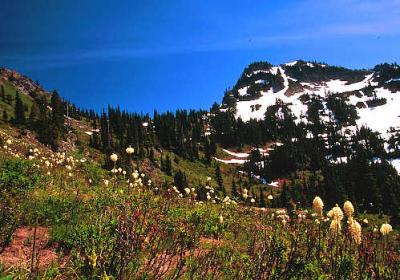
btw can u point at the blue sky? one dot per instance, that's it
(161, 54)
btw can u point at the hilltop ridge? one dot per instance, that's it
(374, 92)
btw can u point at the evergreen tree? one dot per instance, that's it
(234, 189)
(5, 115)
(151, 155)
(218, 177)
(210, 149)
(180, 181)
(95, 136)
(33, 116)
(3, 94)
(19, 111)
(57, 112)
(166, 165)
(105, 134)
(285, 197)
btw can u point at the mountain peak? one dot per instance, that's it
(373, 92)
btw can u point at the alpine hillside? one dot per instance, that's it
(239, 191)
(374, 94)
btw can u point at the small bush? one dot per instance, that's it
(16, 178)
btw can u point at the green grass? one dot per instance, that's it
(9, 89)
(198, 171)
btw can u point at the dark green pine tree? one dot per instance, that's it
(180, 181)
(285, 197)
(33, 116)
(234, 189)
(105, 131)
(166, 165)
(218, 177)
(19, 110)
(207, 151)
(3, 94)
(57, 112)
(5, 115)
(53, 127)
(151, 155)
(95, 142)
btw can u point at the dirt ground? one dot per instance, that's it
(19, 252)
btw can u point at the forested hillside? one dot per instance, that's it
(171, 190)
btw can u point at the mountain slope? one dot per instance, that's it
(375, 93)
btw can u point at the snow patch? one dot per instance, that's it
(396, 164)
(393, 80)
(381, 118)
(239, 155)
(243, 91)
(293, 63)
(231, 161)
(244, 109)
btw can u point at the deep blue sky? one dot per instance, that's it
(183, 54)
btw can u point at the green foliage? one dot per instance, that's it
(180, 181)
(94, 172)
(218, 178)
(344, 113)
(301, 71)
(17, 177)
(19, 111)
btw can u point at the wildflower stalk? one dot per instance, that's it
(319, 239)
(114, 178)
(33, 249)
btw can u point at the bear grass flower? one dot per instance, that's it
(355, 230)
(114, 157)
(130, 150)
(245, 194)
(348, 209)
(318, 205)
(270, 197)
(335, 213)
(386, 229)
(335, 227)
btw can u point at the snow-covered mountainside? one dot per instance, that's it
(375, 93)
